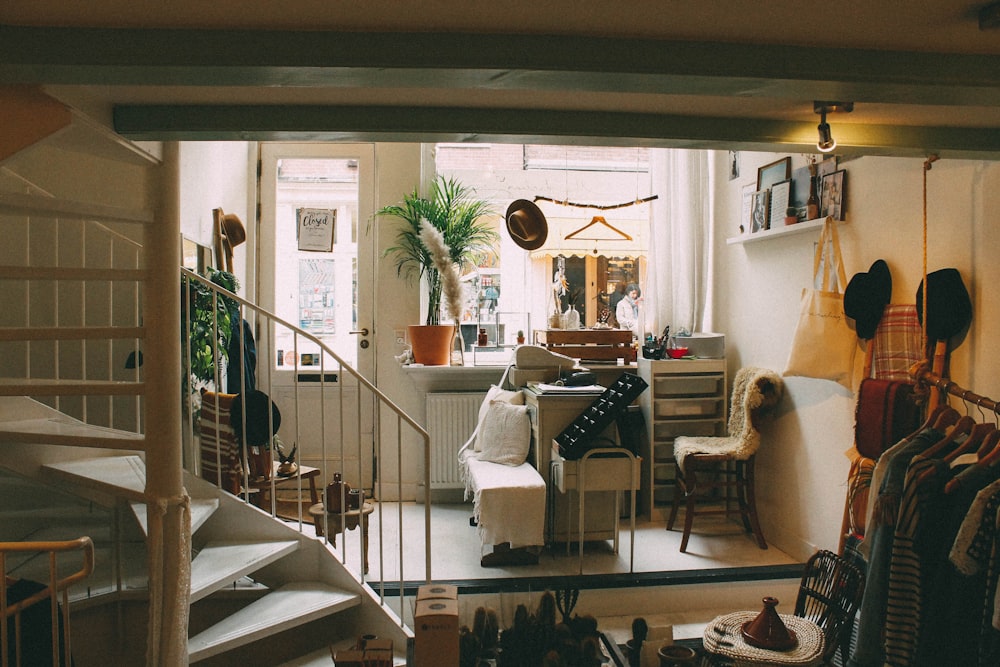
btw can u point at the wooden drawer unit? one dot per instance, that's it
(687, 397)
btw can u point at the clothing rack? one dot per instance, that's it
(923, 375)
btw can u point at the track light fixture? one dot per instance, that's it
(826, 142)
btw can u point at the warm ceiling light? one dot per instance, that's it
(826, 142)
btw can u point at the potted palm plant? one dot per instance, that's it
(463, 220)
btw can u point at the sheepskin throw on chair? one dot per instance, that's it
(753, 389)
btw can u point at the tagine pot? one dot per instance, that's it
(767, 630)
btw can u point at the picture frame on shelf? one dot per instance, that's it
(746, 208)
(833, 195)
(827, 165)
(775, 172)
(778, 202)
(759, 211)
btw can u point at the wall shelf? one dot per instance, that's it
(797, 228)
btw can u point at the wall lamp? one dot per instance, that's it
(826, 142)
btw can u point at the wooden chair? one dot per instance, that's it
(829, 596)
(708, 463)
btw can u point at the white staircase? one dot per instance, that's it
(271, 595)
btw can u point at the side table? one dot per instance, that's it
(330, 523)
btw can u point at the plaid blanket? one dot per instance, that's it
(897, 343)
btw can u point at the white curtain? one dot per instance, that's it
(679, 285)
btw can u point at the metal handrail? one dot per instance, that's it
(384, 401)
(56, 586)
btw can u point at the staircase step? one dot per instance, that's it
(201, 509)
(121, 476)
(219, 564)
(288, 607)
(64, 430)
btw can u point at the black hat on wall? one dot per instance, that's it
(866, 297)
(949, 308)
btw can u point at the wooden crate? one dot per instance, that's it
(589, 344)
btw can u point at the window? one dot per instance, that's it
(512, 290)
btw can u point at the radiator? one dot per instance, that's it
(451, 418)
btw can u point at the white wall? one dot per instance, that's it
(802, 468)
(216, 174)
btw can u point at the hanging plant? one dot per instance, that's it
(209, 327)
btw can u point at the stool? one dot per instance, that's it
(325, 521)
(263, 486)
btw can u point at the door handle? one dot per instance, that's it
(361, 332)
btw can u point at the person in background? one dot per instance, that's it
(627, 311)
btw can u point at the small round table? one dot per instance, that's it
(724, 637)
(352, 518)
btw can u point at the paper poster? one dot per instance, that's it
(315, 228)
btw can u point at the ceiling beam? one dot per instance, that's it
(414, 124)
(170, 57)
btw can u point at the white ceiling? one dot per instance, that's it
(923, 75)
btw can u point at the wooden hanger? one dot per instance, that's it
(976, 437)
(598, 220)
(936, 414)
(962, 427)
(989, 453)
(989, 444)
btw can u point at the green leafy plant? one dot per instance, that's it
(463, 220)
(209, 318)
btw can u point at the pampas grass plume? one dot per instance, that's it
(433, 240)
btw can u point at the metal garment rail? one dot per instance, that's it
(923, 375)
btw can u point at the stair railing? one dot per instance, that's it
(267, 324)
(56, 591)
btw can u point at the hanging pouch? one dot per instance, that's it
(824, 345)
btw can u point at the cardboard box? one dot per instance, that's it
(437, 592)
(435, 642)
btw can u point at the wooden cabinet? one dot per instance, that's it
(685, 397)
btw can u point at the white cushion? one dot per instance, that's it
(495, 393)
(505, 434)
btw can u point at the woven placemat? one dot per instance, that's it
(723, 637)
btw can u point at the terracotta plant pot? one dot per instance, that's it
(431, 343)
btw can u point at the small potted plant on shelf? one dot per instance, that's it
(463, 220)
(791, 215)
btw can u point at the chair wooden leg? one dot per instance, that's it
(678, 484)
(690, 484)
(751, 501)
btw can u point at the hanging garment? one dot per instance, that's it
(887, 485)
(951, 602)
(976, 551)
(242, 344)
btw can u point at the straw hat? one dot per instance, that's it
(233, 230)
(526, 224)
